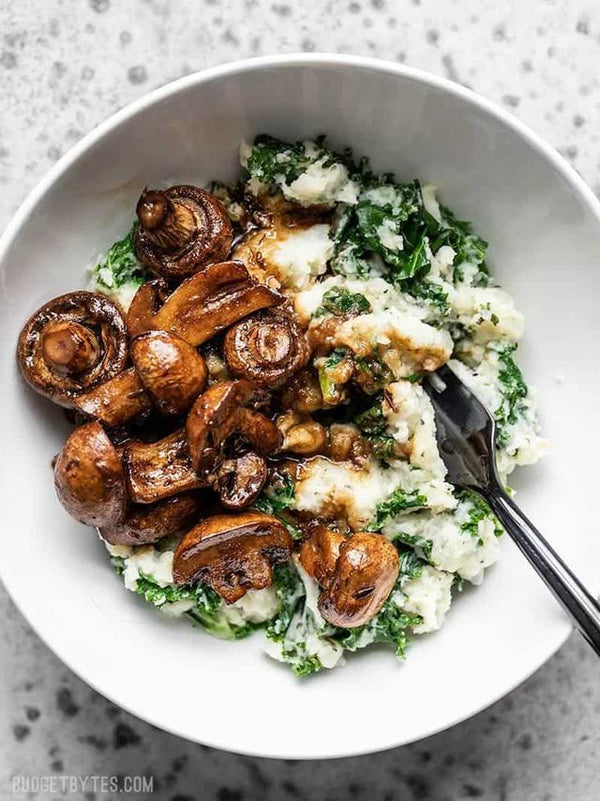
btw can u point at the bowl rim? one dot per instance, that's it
(259, 63)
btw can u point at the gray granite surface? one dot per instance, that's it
(65, 65)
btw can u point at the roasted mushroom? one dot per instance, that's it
(203, 305)
(172, 372)
(222, 413)
(89, 477)
(167, 373)
(145, 524)
(356, 574)
(181, 229)
(303, 393)
(71, 345)
(157, 470)
(267, 348)
(232, 553)
(301, 434)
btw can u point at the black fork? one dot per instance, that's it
(466, 436)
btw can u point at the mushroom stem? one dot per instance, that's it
(160, 469)
(69, 348)
(117, 401)
(168, 224)
(205, 304)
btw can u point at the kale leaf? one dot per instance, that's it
(398, 501)
(479, 511)
(388, 626)
(372, 425)
(271, 159)
(120, 266)
(342, 303)
(276, 501)
(207, 609)
(514, 391)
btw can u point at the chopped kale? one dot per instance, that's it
(479, 511)
(276, 501)
(389, 626)
(207, 609)
(398, 501)
(294, 624)
(335, 371)
(372, 425)
(342, 303)
(411, 565)
(514, 391)
(120, 266)
(415, 541)
(371, 374)
(469, 248)
(271, 159)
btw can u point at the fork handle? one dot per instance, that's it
(581, 607)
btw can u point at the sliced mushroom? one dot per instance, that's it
(157, 470)
(222, 411)
(232, 553)
(71, 345)
(89, 477)
(181, 229)
(267, 348)
(203, 305)
(301, 434)
(220, 415)
(144, 524)
(239, 481)
(365, 572)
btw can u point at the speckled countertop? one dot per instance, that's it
(65, 65)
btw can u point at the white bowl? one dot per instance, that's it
(542, 223)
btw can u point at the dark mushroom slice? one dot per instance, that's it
(365, 573)
(222, 411)
(181, 229)
(89, 477)
(232, 553)
(205, 304)
(145, 524)
(267, 348)
(239, 481)
(71, 345)
(157, 470)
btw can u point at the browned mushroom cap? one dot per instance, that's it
(365, 573)
(267, 347)
(89, 479)
(204, 304)
(143, 525)
(232, 553)
(221, 411)
(239, 481)
(71, 345)
(181, 229)
(172, 372)
(319, 553)
(160, 469)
